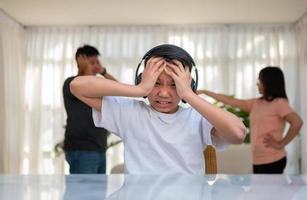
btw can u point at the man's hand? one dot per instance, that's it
(85, 67)
(99, 68)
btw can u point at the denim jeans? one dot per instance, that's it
(86, 162)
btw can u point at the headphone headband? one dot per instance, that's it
(169, 52)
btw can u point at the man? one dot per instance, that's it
(84, 144)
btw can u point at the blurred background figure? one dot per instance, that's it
(268, 116)
(84, 144)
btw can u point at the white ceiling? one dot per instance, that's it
(110, 12)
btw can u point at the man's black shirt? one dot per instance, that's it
(81, 133)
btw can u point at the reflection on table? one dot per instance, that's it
(143, 187)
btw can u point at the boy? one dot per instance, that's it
(161, 137)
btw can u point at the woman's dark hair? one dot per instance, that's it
(87, 50)
(273, 81)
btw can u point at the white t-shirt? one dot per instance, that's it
(155, 142)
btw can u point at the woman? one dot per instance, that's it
(268, 116)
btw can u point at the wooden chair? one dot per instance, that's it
(210, 160)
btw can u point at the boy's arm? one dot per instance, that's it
(91, 89)
(86, 68)
(227, 126)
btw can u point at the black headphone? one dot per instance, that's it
(169, 52)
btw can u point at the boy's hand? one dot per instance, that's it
(181, 76)
(84, 65)
(152, 70)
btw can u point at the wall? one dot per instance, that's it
(11, 96)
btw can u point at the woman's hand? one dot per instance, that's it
(270, 142)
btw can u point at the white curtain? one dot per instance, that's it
(11, 95)
(228, 59)
(301, 28)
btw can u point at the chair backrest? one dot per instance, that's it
(118, 169)
(210, 160)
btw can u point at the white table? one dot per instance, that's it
(145, 187)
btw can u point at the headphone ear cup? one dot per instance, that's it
(193, 85)
(138, 79)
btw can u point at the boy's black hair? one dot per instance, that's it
(87, 50)
(170, 52)
(273, 82)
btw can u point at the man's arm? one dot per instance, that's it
(107, 75)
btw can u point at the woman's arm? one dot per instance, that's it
(295, 122)
(241, 104)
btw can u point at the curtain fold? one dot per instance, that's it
(11, 94)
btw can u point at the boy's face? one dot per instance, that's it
(163, 97)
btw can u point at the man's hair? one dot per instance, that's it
(273, 82)
(87, 50)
